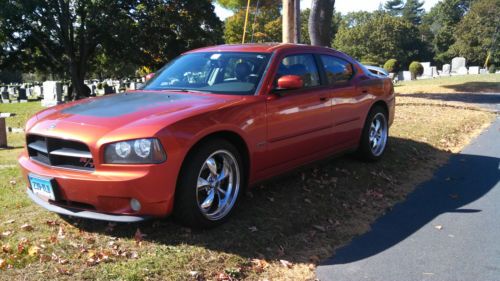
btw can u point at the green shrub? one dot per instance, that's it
(416, 69)
(99, 86)
(492, 68)
(391, 66)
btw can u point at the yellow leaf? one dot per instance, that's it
(34, 251)
(3, 263)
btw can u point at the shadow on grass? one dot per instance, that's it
(318, 208)
(477, 98)
(472, 87)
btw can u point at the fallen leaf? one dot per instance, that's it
(438, 227)
(63, 271)
(307, 200)
(193, 273)
(9, 221)
(223, 277)
(314, 259)
(138, 236)
(286, 263)
(52, 223)
(34, 251)
(6, 233)
(6, 249)
(3, 263)
(60, 233)
(259, 264)
(253, 229)
(27, 227)
(319, 227)
(12, 182)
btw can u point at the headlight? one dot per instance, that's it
(140, 151)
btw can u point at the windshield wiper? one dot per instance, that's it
(190, 91)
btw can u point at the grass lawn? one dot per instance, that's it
(281, 230)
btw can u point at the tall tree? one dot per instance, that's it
(477, 36)
(320, 21)
(438, 27)
(413, 11)
(304, 20)
(265, 26)
(394, 7)
(70, 36)
(376, 37)
(62, 33)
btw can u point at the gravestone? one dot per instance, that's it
(483, 71)
(22, 94)
(462, 71)
(446, 69)
(427, 69)
(12, 92)
(5, 97)
(52, 93)
(434, 71)
(473, 69)
(404, 75)
(457, 63)
(37, 92)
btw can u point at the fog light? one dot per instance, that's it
(135, 204)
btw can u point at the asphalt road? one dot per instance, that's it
(447, 229)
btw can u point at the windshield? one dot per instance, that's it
(221, 73)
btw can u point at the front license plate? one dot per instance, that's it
(42, 187)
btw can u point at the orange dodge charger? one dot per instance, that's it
(207, 125)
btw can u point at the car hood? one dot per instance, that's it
(136, 113)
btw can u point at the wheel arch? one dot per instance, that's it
(232, 137)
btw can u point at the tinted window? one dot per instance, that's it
(301, 65)
(338, 71)
(224, 72)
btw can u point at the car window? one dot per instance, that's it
(301, 65)
(213, 72)
(338, 71)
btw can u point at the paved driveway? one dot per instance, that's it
(447, 229)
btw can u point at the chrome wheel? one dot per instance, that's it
(218, 185)
(378, 134)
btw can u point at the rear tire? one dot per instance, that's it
(209, 185)
(375, 135)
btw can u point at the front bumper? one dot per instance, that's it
(82, 213)
(105, 194)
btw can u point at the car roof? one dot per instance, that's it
(256, 47)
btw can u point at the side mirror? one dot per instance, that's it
(290, 82)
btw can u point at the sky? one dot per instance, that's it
(343, 6)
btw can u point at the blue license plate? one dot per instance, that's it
(42, 187)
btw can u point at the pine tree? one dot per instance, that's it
(413, 11)
(394, 7)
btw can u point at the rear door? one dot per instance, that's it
(347, 99)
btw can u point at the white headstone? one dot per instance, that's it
(446, 69)
(457, 63)
(434, 71)
(52, 93)
(483, 71)
(406, 75)
(462, 70)
(427, 69)
(473, 69)
(37, 92)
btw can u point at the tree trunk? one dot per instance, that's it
(77, 77)
(320, 22)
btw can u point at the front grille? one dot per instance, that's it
(60, 153)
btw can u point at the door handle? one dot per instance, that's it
(364, 91)
(323, 98)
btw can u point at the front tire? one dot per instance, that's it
(209, 185)
(375, 135)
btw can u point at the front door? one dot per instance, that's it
(299, 121)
